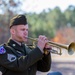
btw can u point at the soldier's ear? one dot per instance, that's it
(12, 31)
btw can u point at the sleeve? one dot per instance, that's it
(44, 64)
(20, 63)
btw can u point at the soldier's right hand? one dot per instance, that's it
(42, 41)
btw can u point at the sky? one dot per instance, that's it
(39, 5)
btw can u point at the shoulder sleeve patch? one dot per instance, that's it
(2, 50)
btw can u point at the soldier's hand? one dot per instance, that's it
(42, 40)
(47, 49)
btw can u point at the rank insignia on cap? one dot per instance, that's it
(2, 50)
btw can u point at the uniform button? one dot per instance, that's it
(14, 45)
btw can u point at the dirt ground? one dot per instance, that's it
(66, 68)
(64, 64)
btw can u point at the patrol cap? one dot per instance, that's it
(18, 20)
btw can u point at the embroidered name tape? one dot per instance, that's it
(2, 50)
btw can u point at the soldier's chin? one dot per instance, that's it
(25, 40)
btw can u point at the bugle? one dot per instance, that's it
(70, 48)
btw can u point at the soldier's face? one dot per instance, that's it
(21, 32)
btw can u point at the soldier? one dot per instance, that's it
(18, 59)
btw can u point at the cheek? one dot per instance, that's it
(26, 32)
(19, 34)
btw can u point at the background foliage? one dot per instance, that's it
(56, 25)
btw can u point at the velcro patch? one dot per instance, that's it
(2, 50)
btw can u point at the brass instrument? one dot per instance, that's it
(70, 48)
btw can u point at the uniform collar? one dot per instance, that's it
(14, 44)
(17, 42)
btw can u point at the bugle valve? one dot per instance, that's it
(70, 48)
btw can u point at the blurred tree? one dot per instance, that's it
(56, 18)
(70, 15)
(39, 25)
(12, 6)
(45, 23)
(8, 9)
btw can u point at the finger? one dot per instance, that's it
(44, 38)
